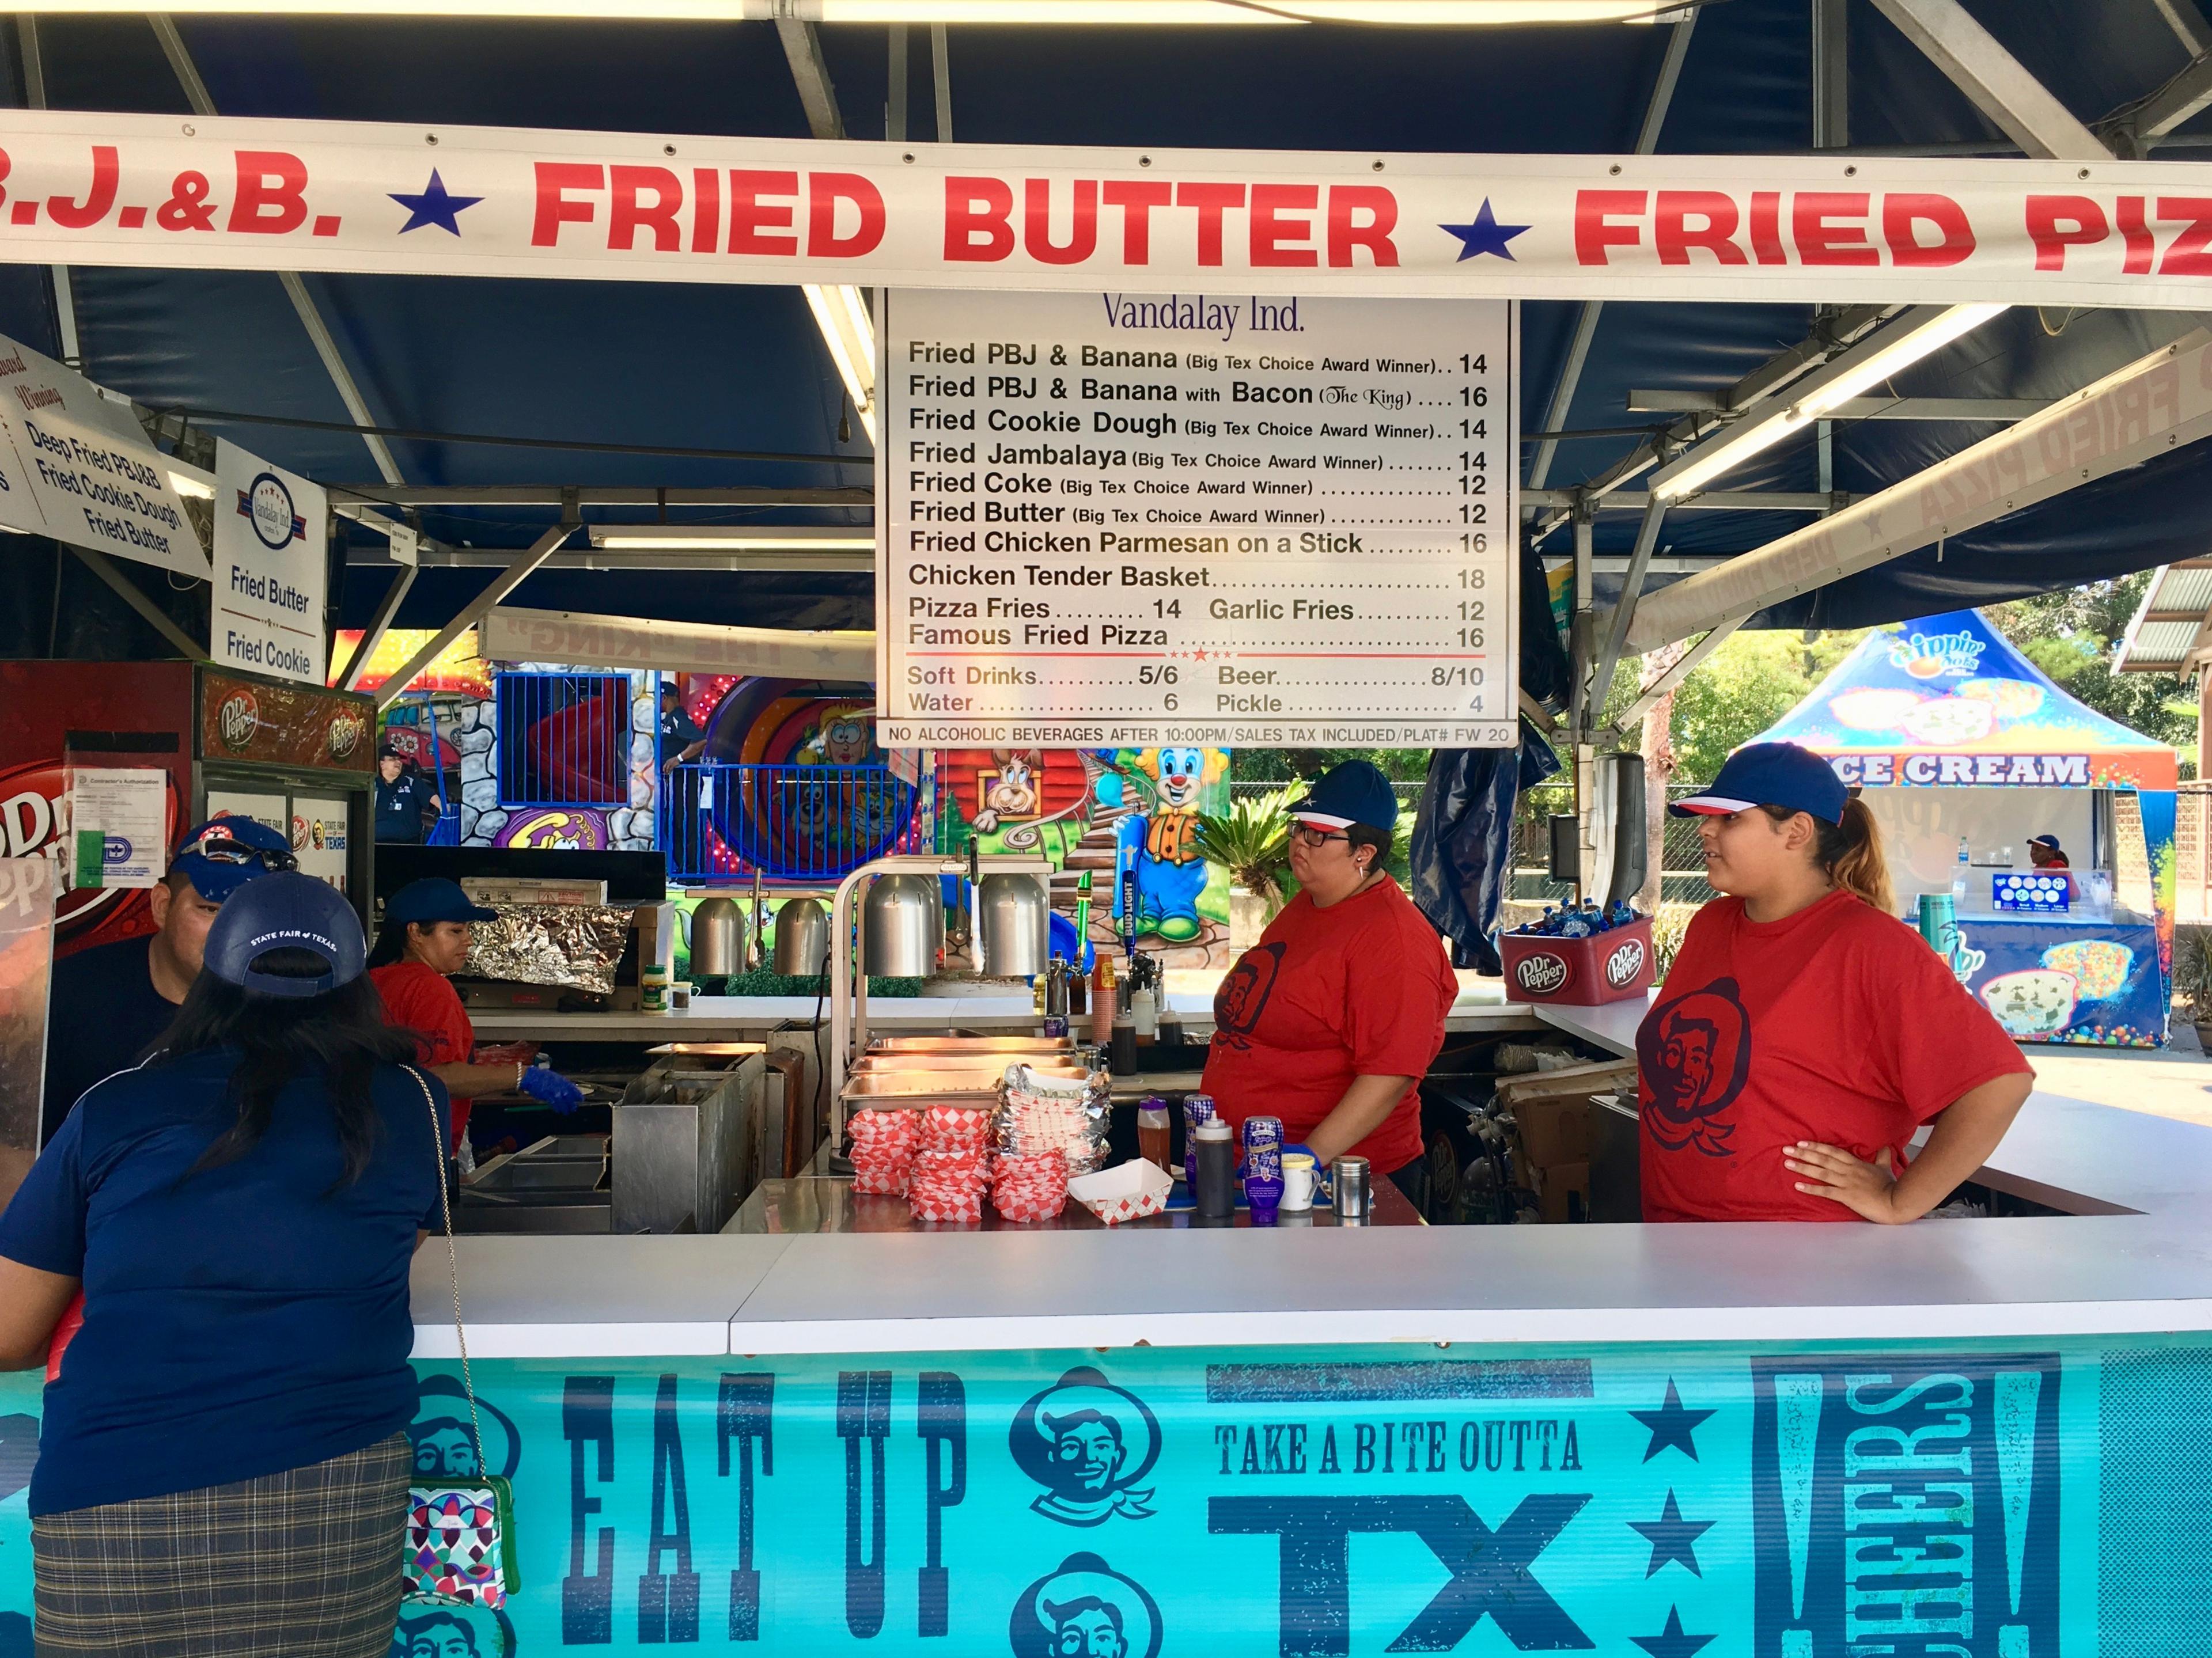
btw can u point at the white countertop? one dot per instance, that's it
(2133, 1254)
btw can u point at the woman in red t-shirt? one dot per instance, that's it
(1804, 1034)
(425, 940)
(1331, 1020)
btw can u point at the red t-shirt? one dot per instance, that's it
(1838, 1024)
(1359, 989)
(419, 999)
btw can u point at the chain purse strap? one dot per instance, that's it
(452, 1255)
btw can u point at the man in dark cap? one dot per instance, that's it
(404, 795)
(110, 1003)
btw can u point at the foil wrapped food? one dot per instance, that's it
(573, 946)
(1040, 1112)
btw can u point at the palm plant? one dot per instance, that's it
(1252, 841)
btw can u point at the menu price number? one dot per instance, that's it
(1161, 674)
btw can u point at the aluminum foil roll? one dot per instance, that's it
(575, 946)
(1039, 1112)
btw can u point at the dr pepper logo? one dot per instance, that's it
(1624, 963)
(1541, 973)
(237, 720)
(347, 731)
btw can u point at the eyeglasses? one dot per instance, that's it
(222, 849)
(1305, 835)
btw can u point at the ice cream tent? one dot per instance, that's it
(1950, 734)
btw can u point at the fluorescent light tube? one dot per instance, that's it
(1858, 370)
(199, 489)
(1440, 14)
(842, 314)
(642, 537)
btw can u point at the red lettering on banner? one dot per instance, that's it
(1766, 228)
(1345, 233)
(555, 180)
(1270, 230)
(1675, 238)
(628, 214)
(1819, 241)
(705, 208)
(824, 191)
(1901, 216)
(1137, 198)
(2055, 223)
(751, 216)
(7, 165)
(1212, 201)
(271, 194)
(2185, 255)
(978, 208)
(80, 215)
(1593, 232)
(1036, 222)
(2135, 235)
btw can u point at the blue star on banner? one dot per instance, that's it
(1671, 1537)
(436, 205)
(1671, 1424)
(1671, 1643)
(1485, 235)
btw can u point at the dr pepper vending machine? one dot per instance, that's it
(296, 757)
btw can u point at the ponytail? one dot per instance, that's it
(1850, 853)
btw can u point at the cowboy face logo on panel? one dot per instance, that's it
(1087, 1443)
(1694, 1054)
(1086, 1610)
(445, 1449)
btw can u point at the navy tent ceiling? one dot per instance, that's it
(741, 367)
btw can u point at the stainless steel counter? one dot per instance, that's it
(825, 1202)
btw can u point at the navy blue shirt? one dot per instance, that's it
(104, 1013)
(400, 807)
(244, 1321)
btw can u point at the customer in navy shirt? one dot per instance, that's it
(223, 1464)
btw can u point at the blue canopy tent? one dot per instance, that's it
(1960, 743)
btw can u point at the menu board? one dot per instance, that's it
(1115, 519)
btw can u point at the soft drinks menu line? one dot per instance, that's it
(1118, 519)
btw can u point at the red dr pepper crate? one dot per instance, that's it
(1606, 967)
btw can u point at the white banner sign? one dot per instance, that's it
(78, 468)
(1109, 521)
(283, 195)
(639, 642)
(271, 568)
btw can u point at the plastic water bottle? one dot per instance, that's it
(1958, 875)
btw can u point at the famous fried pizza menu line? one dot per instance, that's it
(1120, 519)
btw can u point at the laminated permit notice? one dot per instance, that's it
(118, 826)
(1115, 519)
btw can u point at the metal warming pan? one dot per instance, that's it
(972, 1045)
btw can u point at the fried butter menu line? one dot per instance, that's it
(1106, 519)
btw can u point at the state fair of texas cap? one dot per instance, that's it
(286, 911)
(1771, 775)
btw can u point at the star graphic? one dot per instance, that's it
(1485, 235)
(1671, 1643)
(1671, 1424)
(1671, 1537)
(436, 205)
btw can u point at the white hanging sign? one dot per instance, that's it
(271, 568)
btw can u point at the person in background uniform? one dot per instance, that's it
(403, 796)
(109, 1003)
(1804, 1034)
(1332, 1019)
(2044, 852)
(223, 1462)
(681, 739)
(424, 941)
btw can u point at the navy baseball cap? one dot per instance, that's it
(434, 898)
(287, 911)
(1356, 792)
(223, 854)
(2050, 840)
(1771, 775)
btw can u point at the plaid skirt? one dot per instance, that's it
(300, 1565)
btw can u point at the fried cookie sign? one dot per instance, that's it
(214, 193)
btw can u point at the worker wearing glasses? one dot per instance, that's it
(1331, 1020)
(111, 1004)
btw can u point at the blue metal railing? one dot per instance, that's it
(563, 739)
(722, 821)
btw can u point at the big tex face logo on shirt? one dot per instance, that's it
(1695, 1052)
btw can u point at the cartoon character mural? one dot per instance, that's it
(1161, 837)
(1014, 793)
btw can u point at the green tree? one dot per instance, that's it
(1737, 692)
(2074, 636)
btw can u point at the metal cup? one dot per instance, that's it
(1353, 1191)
